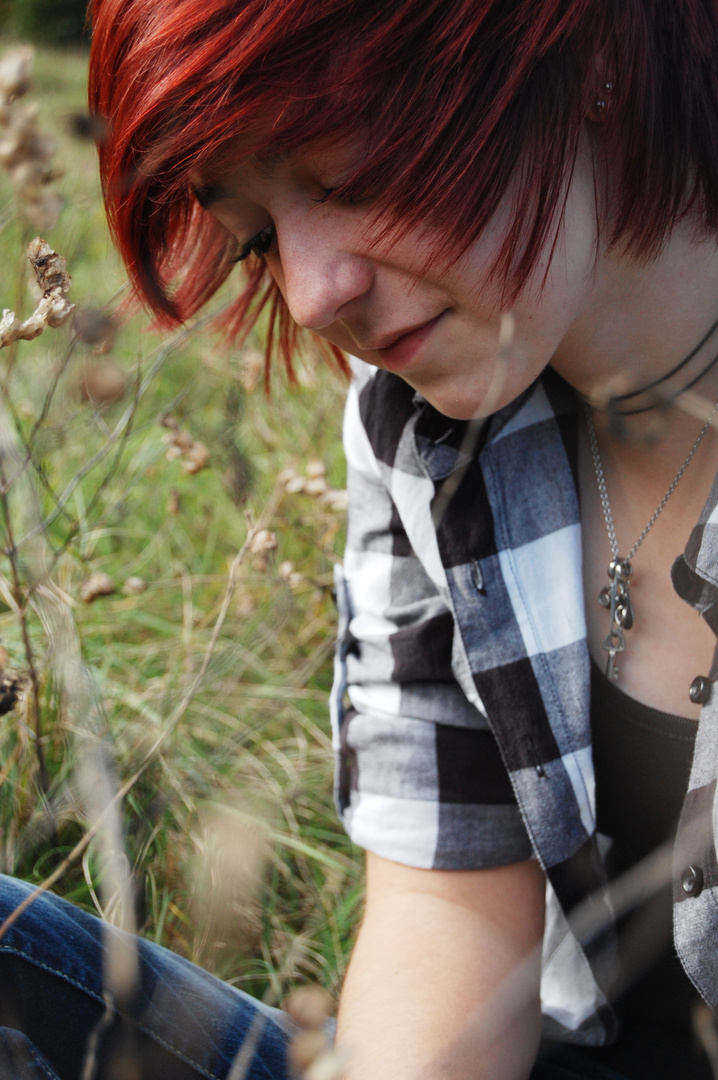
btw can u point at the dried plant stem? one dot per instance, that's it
(243, 1060)
(89, 1070)
(26, 444)
(11, 761)
(119, 432)
(475, 426)
(174, 719)
(11, 553)
(60, 370)
(704, 1026)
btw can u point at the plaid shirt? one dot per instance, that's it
(461, 695)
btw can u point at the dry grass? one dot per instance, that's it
(120, 530)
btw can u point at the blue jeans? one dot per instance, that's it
(180, 1023)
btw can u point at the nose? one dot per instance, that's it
(323, 275)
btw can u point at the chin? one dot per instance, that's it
(457, 405)
(457, 410)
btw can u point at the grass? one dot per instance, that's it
(234, 803)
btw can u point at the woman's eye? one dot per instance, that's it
(346, 196)
(328, 193)
(258, 245)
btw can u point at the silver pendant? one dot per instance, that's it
(616, 596)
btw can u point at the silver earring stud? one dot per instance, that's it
(601, 103)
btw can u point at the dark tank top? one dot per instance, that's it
(642, 760)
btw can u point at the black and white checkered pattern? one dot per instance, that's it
(461, 698)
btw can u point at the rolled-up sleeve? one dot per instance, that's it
(419, 778)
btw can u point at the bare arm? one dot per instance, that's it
(434, 948)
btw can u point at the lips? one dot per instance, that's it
(398, 351)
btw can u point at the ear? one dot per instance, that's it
(600, 81)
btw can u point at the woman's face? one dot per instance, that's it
(437, 328)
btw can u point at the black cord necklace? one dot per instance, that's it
(616, 399)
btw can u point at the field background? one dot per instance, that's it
(228, 835)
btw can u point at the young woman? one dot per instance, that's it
(507, 210)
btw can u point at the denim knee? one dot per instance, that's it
(180, 1019)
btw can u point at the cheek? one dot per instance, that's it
(558, 285)
(274, 268)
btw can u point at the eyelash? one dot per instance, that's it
(346, 200)
(258, 245)
(325, 196)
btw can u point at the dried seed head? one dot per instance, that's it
(263, 541)
(286, 475)
(336, 499)
(16, 73)
(195, 454)
(10, 688)
(92, 128)
(196, 459)
(295, 485)
(98, 584)
(24, 152)
(293, 578)
(174, 503)
(182, 441)
(315, 468)
(103, 383)
(309, 1006)
(94, 326)
(50, 268)
(305, 1047)
(316, 485)
(53, 309)
(331, 1065)
(134, 585)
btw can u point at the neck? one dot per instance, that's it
(644, 320)
(643, 453)
(661, 391)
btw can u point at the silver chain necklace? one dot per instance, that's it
(616, 596)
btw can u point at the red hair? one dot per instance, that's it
(464, 98)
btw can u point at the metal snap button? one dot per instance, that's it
(700, 690)
(692, 881)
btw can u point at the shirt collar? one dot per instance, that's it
(695, 572)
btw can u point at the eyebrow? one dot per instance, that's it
(209, 194)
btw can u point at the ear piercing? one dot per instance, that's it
(601, 103)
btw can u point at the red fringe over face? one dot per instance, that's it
(465, 100)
